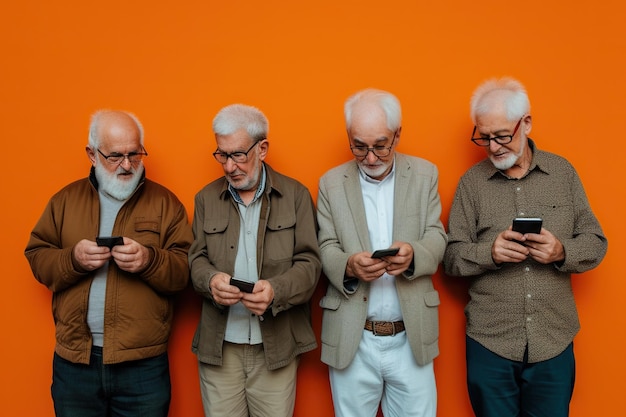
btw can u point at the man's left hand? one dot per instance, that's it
(399, 263)
(260, 298)
(132, 256)
(544, 248)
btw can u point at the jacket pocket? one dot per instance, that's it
(280, 235)
(331, 322)
(276, 223)
(215, 225)
(430, 318)
(330, 303)
(147, 232)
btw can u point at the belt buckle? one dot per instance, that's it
(393, 329)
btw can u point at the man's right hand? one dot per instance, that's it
(506, 248)
(224, 293)
(361, 265)
(89, 256)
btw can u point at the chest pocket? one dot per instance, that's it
(218, 243)
(215, 225)
(280, 237)
(147, 232)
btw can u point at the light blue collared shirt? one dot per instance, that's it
(242, 325)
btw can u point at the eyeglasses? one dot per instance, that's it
(237, 157)
(501, 140)
(380, 151)
(116, 158)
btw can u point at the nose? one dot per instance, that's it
(494, 146)
(229, 165)
(126, 164)
(371, 157)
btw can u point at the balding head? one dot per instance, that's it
(114, 125)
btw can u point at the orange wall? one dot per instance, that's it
(176, 64)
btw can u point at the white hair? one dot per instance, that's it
(516, 103)
(389, 104)
(240, 116)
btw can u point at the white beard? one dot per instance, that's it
(374, 172)
(118, 189)
(510, 160)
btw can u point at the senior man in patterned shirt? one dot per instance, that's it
(521, 317)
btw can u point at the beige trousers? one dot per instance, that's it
(243, 386)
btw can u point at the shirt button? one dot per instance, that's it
(518, 189)
(527, 269)
(529, 319)
(528, 296)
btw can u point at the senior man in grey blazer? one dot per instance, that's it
(380, 321)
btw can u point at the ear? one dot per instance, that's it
(91, 155)
(528, 124)
(398, 132)
(263, 148)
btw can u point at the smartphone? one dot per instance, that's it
(385, 252)
(527, 224)
(245, 286)
(110, 241)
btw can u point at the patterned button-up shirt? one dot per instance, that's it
(518, 305)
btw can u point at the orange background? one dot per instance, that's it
(175, 64)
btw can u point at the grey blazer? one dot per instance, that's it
(343, 231)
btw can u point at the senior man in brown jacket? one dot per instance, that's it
(112, 301)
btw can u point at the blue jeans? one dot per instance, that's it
(499, 387)
(128, 389)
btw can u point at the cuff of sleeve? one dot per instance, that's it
(350, 284)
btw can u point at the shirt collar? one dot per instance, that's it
(235, 194)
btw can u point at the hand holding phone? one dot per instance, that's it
(245, 286)
(110, 241)
(380, 253)
(525, 225)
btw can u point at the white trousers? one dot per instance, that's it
(384, 372)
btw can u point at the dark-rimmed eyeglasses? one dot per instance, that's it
(237, 157)
(380, 151)
(500, 140)
(116, 158)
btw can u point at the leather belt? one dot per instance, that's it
(384, 328)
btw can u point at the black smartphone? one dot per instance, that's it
(527, 224)
(245, 286)
(385, 252)
(110, 241)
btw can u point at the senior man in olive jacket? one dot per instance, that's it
(258, 226)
